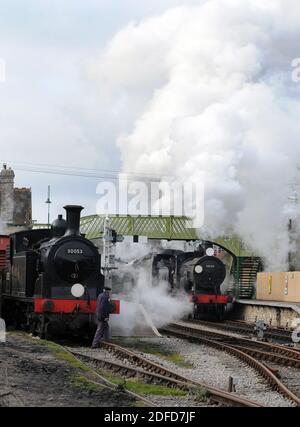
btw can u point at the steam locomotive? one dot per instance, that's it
(52, 278)
(199, 274)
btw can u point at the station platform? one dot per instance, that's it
(275, 313)
(291, 305)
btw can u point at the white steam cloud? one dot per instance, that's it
(209, 88)
(160, 307)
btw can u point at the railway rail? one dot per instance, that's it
(157, 373)
(243, 349)
(273, 352)
(240, 326)
(104, 382)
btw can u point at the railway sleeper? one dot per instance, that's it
(272, 357)
(265, 372)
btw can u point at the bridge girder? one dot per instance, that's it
(158, 227)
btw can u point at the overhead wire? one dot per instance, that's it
(80, 171)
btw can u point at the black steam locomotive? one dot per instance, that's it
(200, 274)
(53, 278)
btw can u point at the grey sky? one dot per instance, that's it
(50, 111)
(164, 88)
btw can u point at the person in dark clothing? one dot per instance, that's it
(103, 310)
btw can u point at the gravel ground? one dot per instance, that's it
(290, 377)
(209, 366)
(214, 368)
(176, 401)
(180, 402)
(213, 329)
(37, 378)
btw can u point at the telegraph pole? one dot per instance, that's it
(292, 225)
(48, 202)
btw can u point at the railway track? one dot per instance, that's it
(239, 326)
(271, 352)
(245, 350)
(102, 381)
(156, 373)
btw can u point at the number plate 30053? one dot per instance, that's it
(74, 251)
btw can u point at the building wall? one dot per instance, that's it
(279, 286)
(6, 195)
(274, 316)
(22, 207)
(15, 204)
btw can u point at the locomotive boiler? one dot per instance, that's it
(199, 274)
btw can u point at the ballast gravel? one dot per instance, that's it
(172, 401)
(209, 366)
(214, 367)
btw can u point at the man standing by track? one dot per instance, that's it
(103, 310)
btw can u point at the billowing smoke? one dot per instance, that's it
(209, 88)
(143, 304)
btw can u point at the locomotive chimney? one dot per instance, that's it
(73, 220)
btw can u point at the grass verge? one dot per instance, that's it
(81, 381)
(60, 353)
(141, 387)
(156, 350)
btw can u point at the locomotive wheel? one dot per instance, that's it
(220, 317)
(195, 316)
(220, 314)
